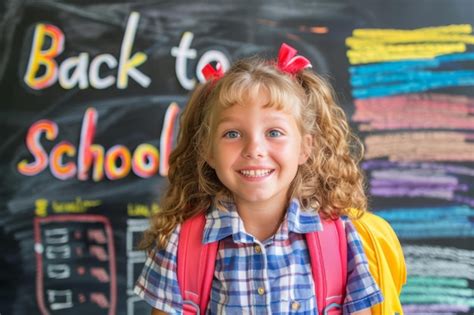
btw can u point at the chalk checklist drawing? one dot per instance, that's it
(135, 260)
(75, 264)
(414, 108)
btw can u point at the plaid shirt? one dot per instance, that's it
(253, 277)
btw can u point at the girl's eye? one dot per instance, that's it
(274, 133)
(231, 134)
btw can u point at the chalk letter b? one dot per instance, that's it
(39, 57)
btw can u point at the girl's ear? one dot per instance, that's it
(306, 147)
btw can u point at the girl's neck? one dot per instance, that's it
(261, 221)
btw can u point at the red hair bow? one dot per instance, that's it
(211, 73)
(289, 62)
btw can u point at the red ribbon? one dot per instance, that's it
(289, 62)
(211, 73)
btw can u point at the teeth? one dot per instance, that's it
(255, 173)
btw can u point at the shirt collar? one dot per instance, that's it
(221, 224)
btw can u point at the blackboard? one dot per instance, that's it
(90, 96)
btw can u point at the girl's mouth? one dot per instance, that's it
(256, 173)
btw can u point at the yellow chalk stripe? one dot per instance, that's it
(358, 56)
(358, 43)
(374, 32)
(430, 48)
(354, 61)
(385, 58)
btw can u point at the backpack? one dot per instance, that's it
(328, 255)
(386, 262)
(196, 262)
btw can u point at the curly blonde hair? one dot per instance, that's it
(330, 181)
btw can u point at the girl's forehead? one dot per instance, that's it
(261, 97)
(255, 110)
(278, 95)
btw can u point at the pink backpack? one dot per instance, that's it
(196, 263)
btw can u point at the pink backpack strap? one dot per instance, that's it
(328, 253)
(195, 263)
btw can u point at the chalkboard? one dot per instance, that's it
(90, 95)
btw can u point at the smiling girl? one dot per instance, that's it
(263, 151)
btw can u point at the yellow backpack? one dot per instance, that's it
(386, 261)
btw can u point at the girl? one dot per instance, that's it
(264, 151)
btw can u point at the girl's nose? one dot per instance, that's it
(254, 148)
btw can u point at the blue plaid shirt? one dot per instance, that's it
(253, 277)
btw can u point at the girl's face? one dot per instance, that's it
(256, 151)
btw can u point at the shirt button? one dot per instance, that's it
(295, 306)
(258, 249)
(261, 291)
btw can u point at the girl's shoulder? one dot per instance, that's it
(157, 283)
(169, 252)
(172, 245)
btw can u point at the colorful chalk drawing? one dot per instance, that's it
(441, 287)
(145, 161)
(135, 260)
(127, 63)
(75, 264)
(418, 130)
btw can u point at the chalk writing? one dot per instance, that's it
(183, 52)
(76, 71)
(135, 259)
(142, 210)
(76, 206)
(91, 157)
(62, 270)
